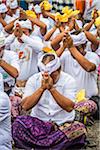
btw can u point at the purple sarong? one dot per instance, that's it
(29, 132)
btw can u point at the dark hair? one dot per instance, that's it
(48, 56)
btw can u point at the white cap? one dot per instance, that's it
(24, 24)
(3, 8)
(13, 4)
(79, 39)
(37, 9)
(2, 39)
(1, 83)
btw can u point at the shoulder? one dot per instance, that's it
(10, 55)
(34, 78)
(67, 79)
(65, 54)
(91, 55)
(4, 100)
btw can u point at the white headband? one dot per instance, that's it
(3, 8)
(51, 66)
(24, 24)
(37, 9)
(79, 39)
(13, 4)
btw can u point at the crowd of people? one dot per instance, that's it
(49, 74)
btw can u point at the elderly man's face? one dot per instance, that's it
(1, 51)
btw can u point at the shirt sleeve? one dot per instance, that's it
(30, 87)
(9, 40)
(15, 61)
(5, 106)
(94, 58)
(36, 45)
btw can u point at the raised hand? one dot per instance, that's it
(67, 41)
(47, 82)
(23, 15)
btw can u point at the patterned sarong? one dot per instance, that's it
(29, 132)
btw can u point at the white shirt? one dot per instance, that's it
(1, 83)
(79, 23)
(88, 48)
(5, 122)
(93, 29)
(85, 80)
(47, 108)
(48, 21)
(17, 13)
(28, 55)
(8, 19)
(36, 32)
(12, 59)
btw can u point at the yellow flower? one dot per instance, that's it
(75, 13)
(46, 5)
(65, 9)
(31, 14)
(80, 96)
(48, 50)
(61, 18)
(97, 22)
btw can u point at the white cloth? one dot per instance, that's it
(93, 29)
(28, 55)
(13, 4)
(47, 109)
(24, 24)
(5, 122)
(88, 48)
(30, 6)
(12, 59)
(79, 23)
(47, 21)
(1, 83)
(3, 8)
(37, 9)
(51, 66)
(79, 39)
(2, 39)
(17, 13)
(57, 32)
(8, 19)
(85, 80)
(36, 32)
